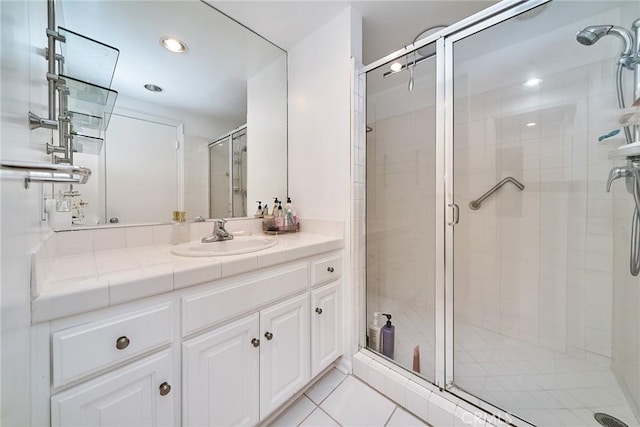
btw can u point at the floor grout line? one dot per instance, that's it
(332, 390)
(328, 415)
(391, 416)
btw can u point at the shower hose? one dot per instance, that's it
(634, 261)
(634, 253)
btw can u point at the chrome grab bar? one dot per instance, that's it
(46, 172)
(475, 204)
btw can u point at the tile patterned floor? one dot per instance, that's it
(338, 399)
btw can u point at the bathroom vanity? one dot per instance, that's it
(183, 341)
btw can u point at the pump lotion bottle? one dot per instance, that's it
(374, 332)
(388, 336)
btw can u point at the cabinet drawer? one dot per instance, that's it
(93, 346)
(326, 269)
(205, 309)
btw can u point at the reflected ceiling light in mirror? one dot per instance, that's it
(532, 82)
(153, 88)
(531, 124)
(396, 66)
(173, 44)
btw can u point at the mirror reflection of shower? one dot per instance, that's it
(228, 175)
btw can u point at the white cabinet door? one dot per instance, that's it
(284, 352)
(220, 376)
(130, 396)
(326, 326)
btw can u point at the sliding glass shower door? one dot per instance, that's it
(401, 208)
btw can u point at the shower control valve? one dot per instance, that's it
(616, 173)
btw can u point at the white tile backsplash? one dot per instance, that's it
(138, 236)
(108, 239)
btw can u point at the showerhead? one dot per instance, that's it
(591, 34)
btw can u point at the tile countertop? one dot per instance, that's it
(86, 282)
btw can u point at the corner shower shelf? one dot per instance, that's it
(625, 151)
(87, 59)
(90, 105)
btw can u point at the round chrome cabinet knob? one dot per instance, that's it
(268, 335)
(122, 343)
(255, 342)
(318, 310)
(330, 269)
(165, 388)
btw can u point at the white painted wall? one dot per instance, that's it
(267, 134)
(22, 85)
(320, 129)
(319, 119)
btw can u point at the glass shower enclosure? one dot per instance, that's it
(491, 238)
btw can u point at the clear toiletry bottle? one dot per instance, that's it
(279, 215)
(388, 336)
(259, 213)
(289, 213)
(265, 211)
(374, 332)
(275, 206)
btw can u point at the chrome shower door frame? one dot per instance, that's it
(446, 208)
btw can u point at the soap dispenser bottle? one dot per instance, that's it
(259, 212)
(275, 206)
(265, 211)
(279, 214)
(388, 335)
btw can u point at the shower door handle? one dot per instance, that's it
(455, 214)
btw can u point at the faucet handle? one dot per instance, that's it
(616, 173)
(220, 221)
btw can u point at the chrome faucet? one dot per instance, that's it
(616, 173)
(218, 234)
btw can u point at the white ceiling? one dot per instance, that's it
(387, 25)
(210, 78)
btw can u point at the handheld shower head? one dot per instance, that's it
(591, 34)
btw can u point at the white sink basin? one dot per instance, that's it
(239, 245)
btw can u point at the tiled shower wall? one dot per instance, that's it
(400, 208)
(626, 296)
(196, 176)
(537, 265)
(358, 248)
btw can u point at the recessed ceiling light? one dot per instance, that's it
(532, 82)
(531, 124)
(153, 88)
(396, 66)
(173, 44)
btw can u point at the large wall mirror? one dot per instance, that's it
(210, 137)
